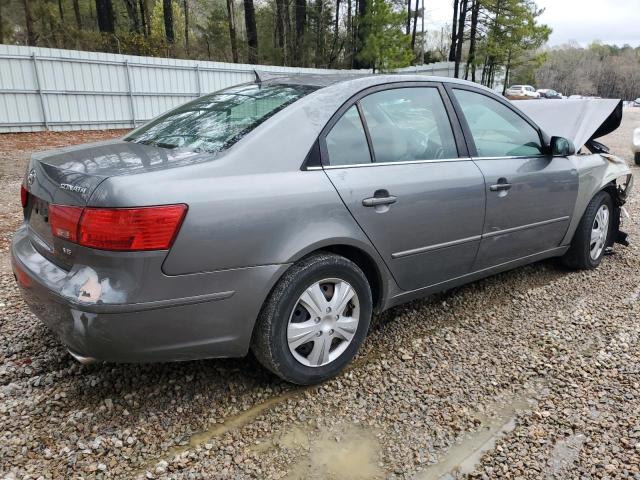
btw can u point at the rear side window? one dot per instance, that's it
(408, 124)
(347, 142)
(496, 129)
(215, 122)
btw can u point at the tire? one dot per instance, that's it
(310, 362)
(636, 158)
(585, 254)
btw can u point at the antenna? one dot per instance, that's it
(262, 76)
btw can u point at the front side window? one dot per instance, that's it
(213, 123)
(496, 129)
(347, 142)
(407, 124)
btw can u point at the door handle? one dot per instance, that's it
(502, 185)
(375, 201)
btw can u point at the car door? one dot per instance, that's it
(404, 175)
(530, 194)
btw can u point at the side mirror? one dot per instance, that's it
(561, 147)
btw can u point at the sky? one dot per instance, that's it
(583, 21)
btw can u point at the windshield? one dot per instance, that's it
(214, 122)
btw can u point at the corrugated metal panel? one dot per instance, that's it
(69, 90)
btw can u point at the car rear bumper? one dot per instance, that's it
(205, 315)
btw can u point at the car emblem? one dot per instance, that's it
(31, 177)
(73, 188)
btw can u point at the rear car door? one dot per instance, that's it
(393, 157)
(530, 194)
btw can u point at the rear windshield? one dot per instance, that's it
(214, 122)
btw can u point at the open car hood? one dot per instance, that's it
(579, 120)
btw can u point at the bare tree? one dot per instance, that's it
(415, 27)
(186, 25)
(104, 15)
(76, 11)
(454, 32)
(471, 59)
(301, 22)
(462, 18)
(252, 31)
(167, 10)
(132, 12)
(232, 31)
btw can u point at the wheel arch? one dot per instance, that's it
(363, 255)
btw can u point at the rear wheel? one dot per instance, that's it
(314, 320)
(592, 235)
(636, 157)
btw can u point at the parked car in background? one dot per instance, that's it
(521, 92)
(635, 145)
(636, 102)
(549, 93)
(203, 234)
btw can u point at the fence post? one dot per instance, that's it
(198, 79)
(132, 105)
(39, 89)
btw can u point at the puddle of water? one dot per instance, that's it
(465, 456)
(564, 454)
(351, 456)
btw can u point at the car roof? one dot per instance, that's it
(356, 80)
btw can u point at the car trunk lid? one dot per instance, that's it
(70, 176)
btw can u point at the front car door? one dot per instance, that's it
(530, 194)
(394, 159)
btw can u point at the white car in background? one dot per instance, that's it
(521, 92)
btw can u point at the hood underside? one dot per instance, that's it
(580, 120)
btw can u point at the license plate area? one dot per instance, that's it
(39, 221)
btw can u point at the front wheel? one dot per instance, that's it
(636, 157)
(314, 320)
(592, 235)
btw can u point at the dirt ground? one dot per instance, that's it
(533, 373)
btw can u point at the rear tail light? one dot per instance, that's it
(24, 196)
(122, 229)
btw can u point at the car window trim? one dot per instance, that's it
(365, 126)
(456, 127)
(471, 145)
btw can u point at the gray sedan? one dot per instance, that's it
(279, 215)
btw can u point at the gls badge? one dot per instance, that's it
(73, 188)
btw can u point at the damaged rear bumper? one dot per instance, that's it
(135, 313)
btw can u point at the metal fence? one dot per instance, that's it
(51, 89)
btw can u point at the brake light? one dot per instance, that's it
(64, 221)
(122, 229)
(24, 196)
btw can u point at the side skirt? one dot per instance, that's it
(473, 276)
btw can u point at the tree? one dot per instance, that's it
(76, 12)
(232, 31)
(132, 12)
(252, 32)
(360, 36)
(104, 14)
(301, 22)
(186, 25)
(462, 17)
(167, 12)
(471, 58)
(385, 45)
(454, 32)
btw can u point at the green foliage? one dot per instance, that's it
(385, 46)
(513, 33)
(157, 24)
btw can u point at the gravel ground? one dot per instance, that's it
(534, 373)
